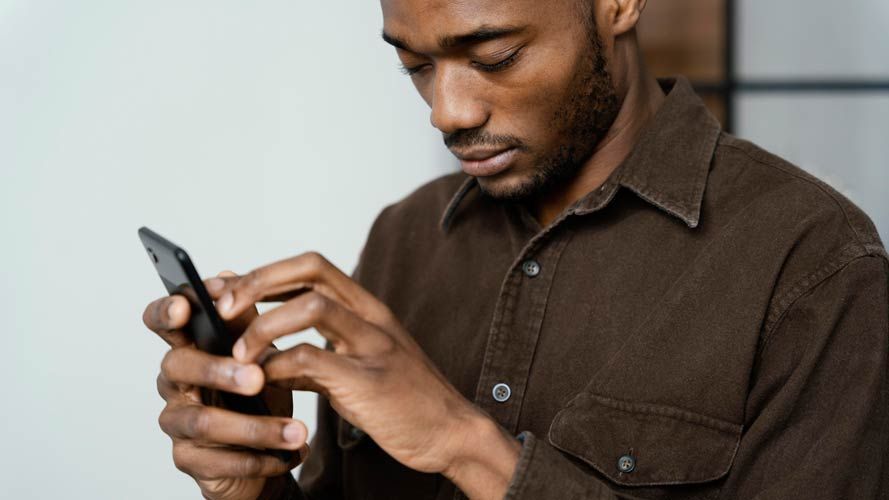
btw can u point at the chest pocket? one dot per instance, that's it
(642, 444)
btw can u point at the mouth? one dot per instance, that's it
(486, 162)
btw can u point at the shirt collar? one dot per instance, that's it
(668, 166)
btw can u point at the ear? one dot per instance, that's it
(624, 15)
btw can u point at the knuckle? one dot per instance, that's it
(315, 305)
(146, 317)
(259, 328)
(250, 466)
(168, 363)
(314, 261)
(151, 314)
(164, 421)
(179, 459)
(252, 281)
(388, 317)
(303, 354)
(253, 430)
(388, 344)
(214, 374)
(197, 422)
(161, 384)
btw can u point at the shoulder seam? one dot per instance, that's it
(847, 255)
(819, 185)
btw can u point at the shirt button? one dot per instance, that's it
(531, 268)
(501, 392)
(626, 463)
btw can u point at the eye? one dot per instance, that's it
(499, 65)
(412, 70)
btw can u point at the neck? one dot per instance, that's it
(642, 96)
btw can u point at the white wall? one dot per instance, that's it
(245, 131)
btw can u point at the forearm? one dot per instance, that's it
(487, 460)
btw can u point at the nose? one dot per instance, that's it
(455, 103)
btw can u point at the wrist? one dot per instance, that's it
(484, 466)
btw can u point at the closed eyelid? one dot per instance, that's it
(501, 45)
(497, 55)
(502, 63)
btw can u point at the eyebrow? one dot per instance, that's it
(482, 34)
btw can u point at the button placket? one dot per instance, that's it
(531, 268)
(515, 328)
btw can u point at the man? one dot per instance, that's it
(613, 299)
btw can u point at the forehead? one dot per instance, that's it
(421, 22)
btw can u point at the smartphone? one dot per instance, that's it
(205, 326)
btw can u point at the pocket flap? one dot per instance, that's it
(643, 444)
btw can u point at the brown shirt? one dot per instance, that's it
(710, 323)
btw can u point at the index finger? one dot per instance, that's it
(309, 271)
(166, 317)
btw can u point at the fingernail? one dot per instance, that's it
(245, 376)
(239, 350)
(172, 309)
(293, 433)
(225, 303)
(215, 284)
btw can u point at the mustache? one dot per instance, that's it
(476, 137)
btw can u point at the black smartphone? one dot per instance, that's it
(205, 326)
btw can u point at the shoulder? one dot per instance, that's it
(790, 220)
(407, 228)
(425, 205)
(787, 196)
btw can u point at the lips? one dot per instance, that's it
(486, 162)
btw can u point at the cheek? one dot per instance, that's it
(424, 88)
(529, 106)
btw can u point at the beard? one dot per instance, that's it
(582, 119)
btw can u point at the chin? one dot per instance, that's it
(508, 187)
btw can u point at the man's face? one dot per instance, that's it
(519, 89)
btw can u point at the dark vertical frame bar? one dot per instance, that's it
(731, 82)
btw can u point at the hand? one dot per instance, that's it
(215, 446)
(376, 377)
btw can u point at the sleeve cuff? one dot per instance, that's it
(542, 473)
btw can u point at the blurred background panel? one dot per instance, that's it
(685, 36)
(807, 80)
(688, 37)
(812, 39)
(843, 138)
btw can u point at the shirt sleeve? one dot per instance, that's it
(817, 422)
(544, 473)
(818, 412)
